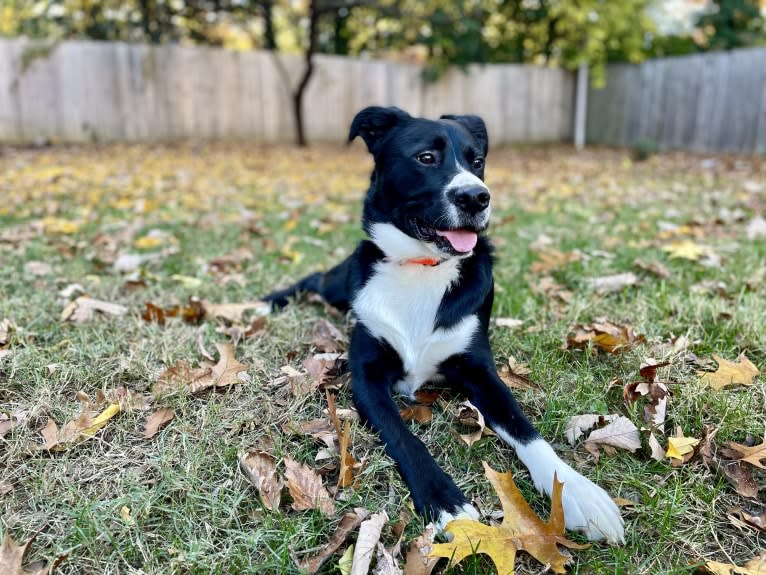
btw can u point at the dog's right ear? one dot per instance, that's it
(373, 123)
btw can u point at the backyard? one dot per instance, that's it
(98, 243)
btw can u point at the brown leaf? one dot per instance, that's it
(348, 523)
(613, 283)
(471, 417)
(729, 373)
(655, 391)
(654, 268)
(12, 558)
(328, 338)
(224, 373)
(756, 566)
(260, 469)
(7, 327)
(347, 462)
(87, 424)
(514, 375)
(421, 413)
(84, 308)
(156, 420)
(520, 530)
(419, 560)
(192, 313)
(749, 454)
(735, 472)
(551, 259)
(551, 289)
(756, 519)
(306, 488)
(319, 429)
(234, 312)
(321, 366)
(603, 334)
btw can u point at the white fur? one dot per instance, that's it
(466, 511)
(587, 507)
(463, 179)
(399, 303)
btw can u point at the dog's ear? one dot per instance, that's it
(475, 126)
(373, 123)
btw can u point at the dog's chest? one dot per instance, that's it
(399, 304)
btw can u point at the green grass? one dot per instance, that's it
(192, 511)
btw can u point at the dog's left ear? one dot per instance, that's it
(373, 123)
(475, 126)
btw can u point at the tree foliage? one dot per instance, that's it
(732, 24)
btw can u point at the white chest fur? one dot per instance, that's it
(399, 304)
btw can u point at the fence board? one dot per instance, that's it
(706, 102)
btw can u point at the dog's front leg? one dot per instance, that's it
(375, 367)
(587, 507)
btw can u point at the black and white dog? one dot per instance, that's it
(421, 289)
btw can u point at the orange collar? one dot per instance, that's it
(423, 261)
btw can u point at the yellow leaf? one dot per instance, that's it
(680, 446)
(60, 226)
(728, 373)
(346, 560)
(685, 249)
(520, 530)
(149, 242)
(101, 420)
(126, 516)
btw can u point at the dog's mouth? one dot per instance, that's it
(459, 241)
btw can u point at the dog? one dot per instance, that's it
(421, 289)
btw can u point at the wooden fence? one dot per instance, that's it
(706, 102)
(91, 91)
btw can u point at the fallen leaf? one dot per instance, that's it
(261, 471)
(347, 462)
(619, 432)
(321, 366)
(613, 283)
(346, 561)
(228, 371)
(657, 452)
(419, 560)
(577, 425)
(84, 308)
(520, 530)
(551, 289)
(514, 375)
(750, 454)
(756, 228)
(740, 372)
(685, 249)
(756, 566)
(38, 269)
(551, 259)
(12, 557)
(126, 516)
(654, 268)
(655, 391)
(348, 523)
(470, 416)
(680, 446)
(509, 322)
(87, 424)
(306, 488)
(328, 338)
(385, 563)
(234, 312)
(369, 535)
(603, 334)
(755, 519)
(156, 420)
(420, 413)
(191, 313)
(737, 473)
(319, 429)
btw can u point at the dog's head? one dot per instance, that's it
(428, 180)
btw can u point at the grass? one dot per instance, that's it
(191, 510)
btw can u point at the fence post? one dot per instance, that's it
(581, 106)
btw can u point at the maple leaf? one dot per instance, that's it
(740, 372)
(521, 530)
(603, 334)
(756, 566)
(679, 446)
(228, 371)
(685, 249)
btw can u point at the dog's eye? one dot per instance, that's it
(426, 158)
(477, 164)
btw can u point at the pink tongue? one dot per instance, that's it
(462, 241)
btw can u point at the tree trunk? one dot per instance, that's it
(268, 33)
(300, 133)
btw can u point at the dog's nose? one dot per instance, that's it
(472, 200)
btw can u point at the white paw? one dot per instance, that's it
(466, 511)
(589, 509)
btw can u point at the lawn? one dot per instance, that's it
(224, 223)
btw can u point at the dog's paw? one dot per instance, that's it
(589, 509)
(464, 511)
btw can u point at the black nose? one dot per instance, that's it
(472, 200)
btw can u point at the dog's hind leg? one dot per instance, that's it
(587, 507)
(332, 285)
